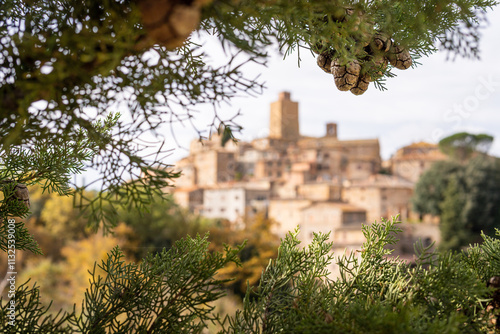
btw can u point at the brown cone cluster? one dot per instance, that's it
(22, 194)
(170, 22)
(378, 51)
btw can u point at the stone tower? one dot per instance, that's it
(284, 122)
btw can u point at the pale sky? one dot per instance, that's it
(426, 103)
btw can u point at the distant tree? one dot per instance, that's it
(431, 186)
(260, 246)
(482, 207)
(62, 219)
(465, 196)
(464, 145)
(453, 228)
(159, 227)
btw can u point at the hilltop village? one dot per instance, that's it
(317, 183)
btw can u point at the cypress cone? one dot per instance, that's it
(375, 53)
(170, 22)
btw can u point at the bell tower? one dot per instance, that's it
(284, 123)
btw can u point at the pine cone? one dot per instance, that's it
(373, 52)
(399, 57)
(18, 193)
(324, 61)
(22, 194)
(362, 84)
(345, 76)
(381, 42)
(170, 22)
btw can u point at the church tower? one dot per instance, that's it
(284, 123)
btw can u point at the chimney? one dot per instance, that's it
(331, 130)
(284, 96)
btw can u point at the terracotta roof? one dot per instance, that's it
(422, 144)
(345, 207)
(258, 185)
(187, 189)
(333, 142)
(419, 151)
(382, 180)
(430, 156)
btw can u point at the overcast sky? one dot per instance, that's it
(426, 103)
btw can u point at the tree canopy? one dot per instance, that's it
(463, 145)
(465, 196)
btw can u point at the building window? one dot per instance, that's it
(353, 217)
(279, 174)
(222, 209)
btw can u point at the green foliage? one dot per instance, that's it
(465, 196)
(172, 292)
(31, 316)
(431, 186)
(464, 145)
(482, 209)
(168, 293)
(454, 233)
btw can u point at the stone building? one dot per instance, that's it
(287, 213)
(411, 161)
(380, 195)
(328, 217)
(234, 202)
(320, 191)
(189, 197)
